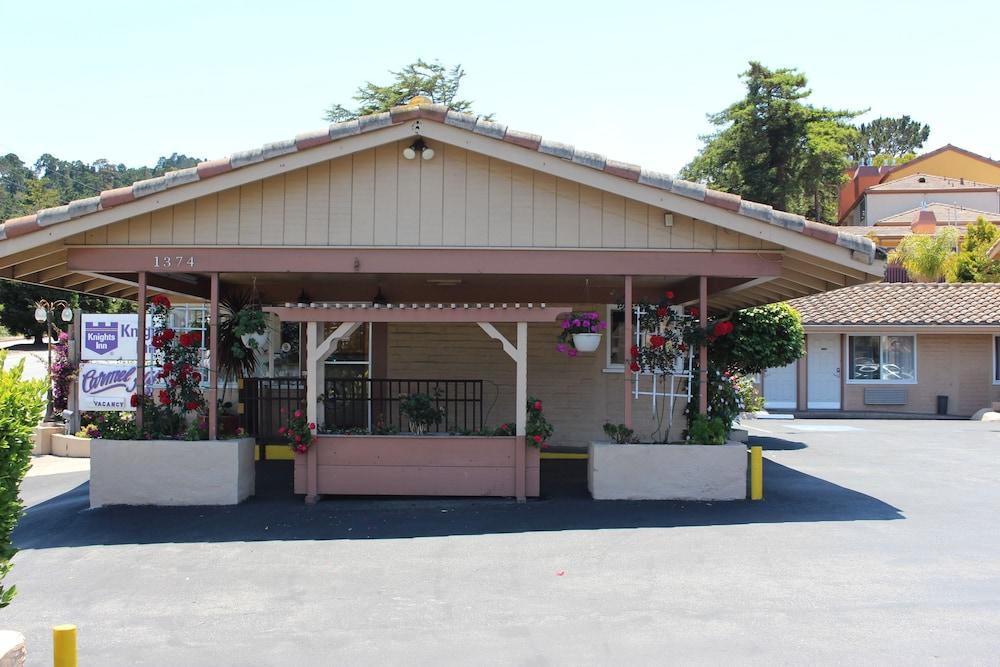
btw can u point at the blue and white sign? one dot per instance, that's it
(113, 337)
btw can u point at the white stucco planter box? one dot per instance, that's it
(667, 472)
(70, 445)
(171, 472)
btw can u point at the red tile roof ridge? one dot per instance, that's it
(437, 113)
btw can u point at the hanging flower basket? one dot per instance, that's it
(256, 341)
(581, 332)
(586, 342)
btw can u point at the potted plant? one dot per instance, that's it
(250, 324)
(421, 412)
(299, 432)
(581, 332)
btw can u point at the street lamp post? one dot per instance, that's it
(44, 311)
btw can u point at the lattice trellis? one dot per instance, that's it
(664, 385)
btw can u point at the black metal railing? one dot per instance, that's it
(347, 403)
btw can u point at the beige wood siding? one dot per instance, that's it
(458, 199)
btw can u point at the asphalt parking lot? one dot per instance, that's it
(877, 543)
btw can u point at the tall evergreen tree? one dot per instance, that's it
(773, 147)
(427, 79)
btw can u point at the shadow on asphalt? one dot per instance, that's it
(776, 444)
(27, 347)
(276, 514)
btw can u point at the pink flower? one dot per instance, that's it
(537, 439)
(301, 449)
(538, 406)
(312, 426)
(561, 347)
(281, 430)
(565, 324)
(297, 413)
(571, 351)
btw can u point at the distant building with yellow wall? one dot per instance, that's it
(951, 162)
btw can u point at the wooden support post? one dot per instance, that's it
(317, 351)
(520, 454)
(313, 370)
(519, 353)
(629, 336)
(213, 361)
(703, 348)
(140, 354)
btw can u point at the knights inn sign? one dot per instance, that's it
(113, 337)
(107, 377)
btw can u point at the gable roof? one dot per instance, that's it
(932, 183)
(108, 199)
(944, 213)
(903, 304)
(944, 149)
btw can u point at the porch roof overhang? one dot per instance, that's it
(417, 312)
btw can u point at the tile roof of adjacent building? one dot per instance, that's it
(903, 304)
(438, 113)
(945, 214)
(931, 182)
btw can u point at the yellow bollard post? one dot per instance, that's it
(64, 645)
(756, 473)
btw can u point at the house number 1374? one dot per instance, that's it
(173, 261)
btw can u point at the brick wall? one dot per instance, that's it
(578, 395)
(959, 366)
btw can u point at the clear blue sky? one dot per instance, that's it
(132, 81)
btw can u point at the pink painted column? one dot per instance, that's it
(312, 475)
(140, 355)
(629, 317)
(520, 467)
(703, 348)
(213, 360)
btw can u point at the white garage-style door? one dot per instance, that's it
(780, 388)
(823, 370)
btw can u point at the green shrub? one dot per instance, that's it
(763, 337)
(619, 433)
(707, 431)
(421, 411)
(21, 405)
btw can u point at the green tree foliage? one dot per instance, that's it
(972, 264)
(888, 139)
(432, 80)
(21, 403)
(17, 306)
(51, 182)
(927, 257)
(774, 148)
(763, 337)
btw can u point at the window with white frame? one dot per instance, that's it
(888, 359)
(615, 340)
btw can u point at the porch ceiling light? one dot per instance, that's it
(418, 146)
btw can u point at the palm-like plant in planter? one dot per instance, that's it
(236, 360)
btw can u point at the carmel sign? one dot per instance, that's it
(110, 386)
